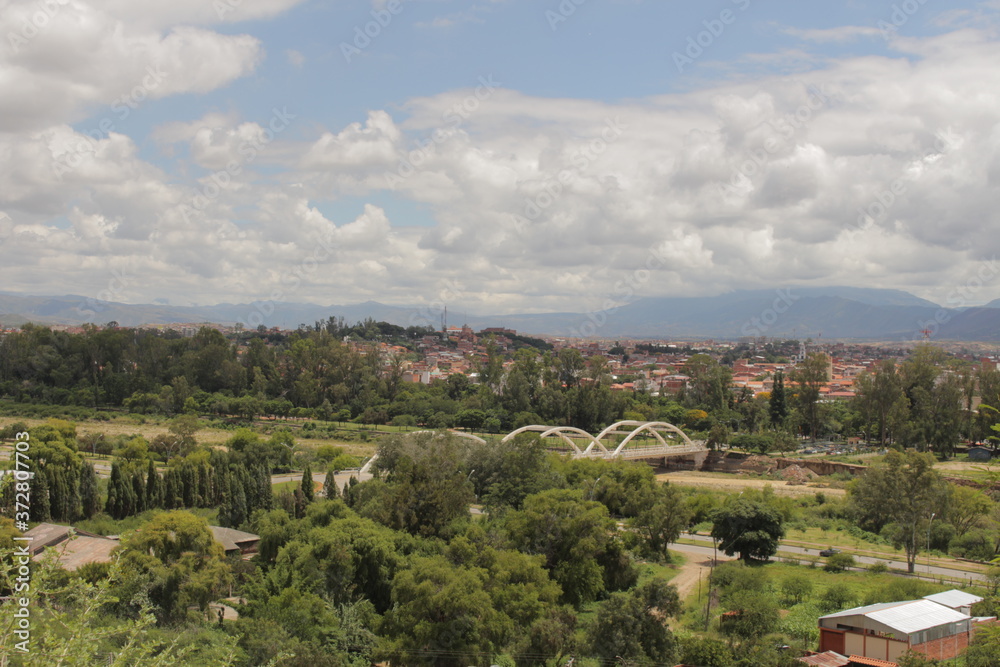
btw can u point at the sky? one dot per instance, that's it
(499, 156)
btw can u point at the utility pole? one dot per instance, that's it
(708, 604)
(929, 542)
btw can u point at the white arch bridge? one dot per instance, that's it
(668, 440)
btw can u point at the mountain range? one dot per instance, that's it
(830, 312)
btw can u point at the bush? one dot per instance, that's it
(878, 568)
(837, 597)
(839, 562)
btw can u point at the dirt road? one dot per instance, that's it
(730, 482)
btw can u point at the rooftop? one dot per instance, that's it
(954, 599)
(905, 617)
(231, 538)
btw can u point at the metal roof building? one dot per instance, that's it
(955, 599)
(887, 630)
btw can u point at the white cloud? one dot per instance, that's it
(539, 203)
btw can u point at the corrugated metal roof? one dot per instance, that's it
(917, 615)
(954, 598)
(905, 617)
(864, 610)
(230, 538)
(862, 661)
(825, 659)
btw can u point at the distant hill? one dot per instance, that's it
(800, 312)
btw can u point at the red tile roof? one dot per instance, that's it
(859, 661)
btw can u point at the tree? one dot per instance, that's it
(308, 490)
(175, 561)
(881, 399)
(571, 533)
(898, 497)
(984, 650)
(330, 488)
(777, 406)
(748, 528)
(663, 517)
(71, 626)
(706, 652)
(839, 562)
(915, 659)
(631, 626)
(89, 498)
(441, 616)
(811, 375)
(966, 506)
(154, 494)
(797, 588)
(752, 614)
(425, 484)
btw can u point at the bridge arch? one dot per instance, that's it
(366, 468)
(636, 428)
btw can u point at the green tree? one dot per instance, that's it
(176, 562)
(308, 490)
(441, 616)
(811, 375)
(571, 533)
(89, 494)
(706, 652)
(751, 615)
(898, 498)
(664, 515)
(748, 528)
(777, 404)
(631, 626)
(797, 588)
(984, 650)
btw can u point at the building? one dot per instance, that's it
(73, 547)
(980, 454)
(887, 630)
(235, 542)
(960, 601)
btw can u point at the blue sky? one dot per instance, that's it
(504, 156)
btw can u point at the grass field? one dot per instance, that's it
(210, 435)
(722, 481)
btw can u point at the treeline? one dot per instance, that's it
(65, 488)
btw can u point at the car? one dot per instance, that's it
(829, 552)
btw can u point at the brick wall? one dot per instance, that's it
(944, 648)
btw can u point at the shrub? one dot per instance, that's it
(878, 568)
(839, 562)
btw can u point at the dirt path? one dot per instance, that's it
(729, 482)
(696, 568)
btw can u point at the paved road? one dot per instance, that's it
(342, 478)
(921, 570)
